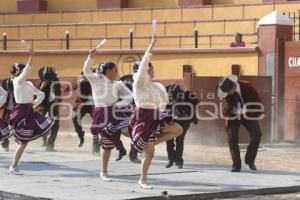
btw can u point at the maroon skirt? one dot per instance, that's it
(4, 130)
(108, 125)
(29, 125)
(145, 126)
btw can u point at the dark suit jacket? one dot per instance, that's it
(249, 94)
(46, 87)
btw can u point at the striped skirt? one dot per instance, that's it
(107, 123)
(4, 130)
(29, 125)
(145, 126)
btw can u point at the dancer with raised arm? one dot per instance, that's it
(106, 92)
(151, 99)
(26, 124)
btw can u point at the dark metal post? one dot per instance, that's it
(4, 41)
(131, 38)
(67, 40)
(196, 34)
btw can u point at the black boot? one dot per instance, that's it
(122, 151)
(133, 156)
(81, 142)
(170, 164)
(252, 167)
(5, 145)
(96, 145)
(179, 165)
(96, 148)
(235, 169)
(50, 148)
(81, 139)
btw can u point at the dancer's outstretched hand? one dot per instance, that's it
(152, 43)
(92, 52)
(31, 52)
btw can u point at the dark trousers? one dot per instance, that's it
(253, 128)
(80, 113)
(50, 139)
(175, 146)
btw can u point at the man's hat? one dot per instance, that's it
(225, 85)
(47, 73)
(128, 81)
(136, 66)
(7, 84)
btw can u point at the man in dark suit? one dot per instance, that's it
(8, 106)
(50, 105)
(83, 105)
(181, 100)
(241, 105)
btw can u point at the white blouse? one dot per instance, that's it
(3, 96)
(106, 92)
(148, 94)
(240, 109)
(24, 91)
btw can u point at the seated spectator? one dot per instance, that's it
(238, 41)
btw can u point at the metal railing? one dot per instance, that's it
(165, 28)
(69, 43)
(295, 16)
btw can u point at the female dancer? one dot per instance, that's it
(106, 92)
(151, 99)
(26, 124)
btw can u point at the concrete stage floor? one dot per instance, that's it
(69, 175)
